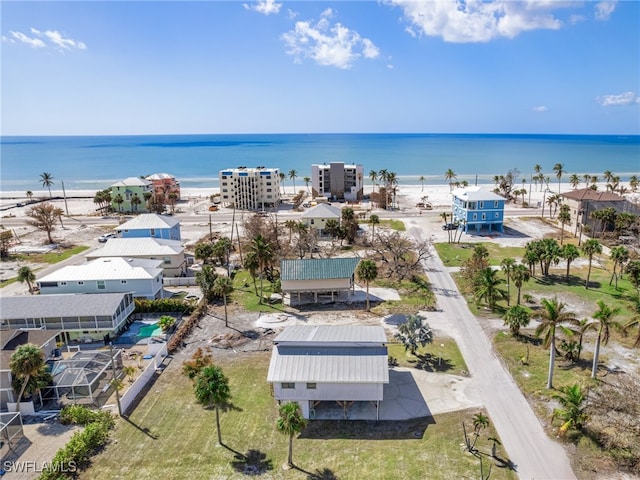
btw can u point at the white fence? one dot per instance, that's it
(136, 387)
(179, 281)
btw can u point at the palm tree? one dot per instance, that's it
(559, 169)
(583, 325)
(290, 422)
(367, 271)
(590, 248)
(373, 221)
(620, 256)
(564, 217)
(515, 317)
(263, 250)
(59, 213)
(488, 287)
(538, 170)
(604, 315)
(507, 265)
(569, 252)
(25, 274)
(135, 201)
(223, 286)
(520, 275)
(572, 410)
(307, 181)
(211, 388)
(633, 183)
(282, 177)
(422, 179)
(608, 176)
(29, 195)
(574, 181)
(25, 362)
(290, 224)
(292, 176)
(147, 199)
(47, 180)
(118, 200)
(414, 333)
(252, 265)
(206, 279)
(373, 175)
(450, 176)
(552, 316)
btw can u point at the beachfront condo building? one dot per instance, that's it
(337, 181)
(165, 187)
(250, 188)
(478, 208)
(128, 195)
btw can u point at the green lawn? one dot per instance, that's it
(442, 355)
(245, 294)
(392, 224)
(454, 254)
(169, 436)
(53, 257)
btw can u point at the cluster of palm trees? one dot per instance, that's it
(613, 183)
(388, 184)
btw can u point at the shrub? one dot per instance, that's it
(162, 305)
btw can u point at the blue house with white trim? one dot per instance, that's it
(477, 208)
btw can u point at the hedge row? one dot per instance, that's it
(162, 305)
(76, 453)
(177, 339)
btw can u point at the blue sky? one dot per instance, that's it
(82, 68)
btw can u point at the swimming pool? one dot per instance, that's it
(139, 332)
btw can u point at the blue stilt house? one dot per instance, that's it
(477, 209)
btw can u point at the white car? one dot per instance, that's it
(105, 237)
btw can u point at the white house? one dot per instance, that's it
(171, 252)
(311, 364)
(141, 277)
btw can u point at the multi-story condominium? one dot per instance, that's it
(164, 185)
(337, 181)
(132, 193)
(250, 188)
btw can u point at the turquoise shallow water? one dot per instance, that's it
(95, 162)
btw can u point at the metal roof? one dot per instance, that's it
(132, 182)
(146, 221)
(318, 268)
(329, 365)
(332, 334)
(323, 210)
(60, 305)
(160, 176)
(476, 194)
(136, 247)
(107, 268)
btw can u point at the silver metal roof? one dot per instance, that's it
(148, 220)
(323, 210)
(136, 247)
(107, 268)
(332, 335)
(476, 194)
(329, 365)
(64, 305)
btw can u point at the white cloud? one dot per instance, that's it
(266, 7)
(605, 9)
(626, 98)
(470, 21)
(32, 42)
(540, 108)
(327, 44)
(48, 38)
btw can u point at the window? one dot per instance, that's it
(311, 386)
(167, 260)
(484, 216)
(475, 216)
(152, 232)
(101, 285)
(289, 385)
(123, 281)
(481, 204)
(64, 283)
(81, 283)
(497, 215)
(495, 204)
(269, 190)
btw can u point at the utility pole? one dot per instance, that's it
(115, 378)
(64, 194)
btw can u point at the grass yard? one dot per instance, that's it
(53, 257)
(245, 295)
(455, 254)
(442, 355)
(397, 225)
(170, 436)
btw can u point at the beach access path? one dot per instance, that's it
(533, 453)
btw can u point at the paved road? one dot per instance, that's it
(527, 445)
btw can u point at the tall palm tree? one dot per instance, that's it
(559, 169)
(564, 217)
(367, 271)
(47, 180)
(520, 275)
(507, 265)
(118, 200)
(488, 287)
(223, 286)
(572, 407)
(608, 176)
(282, 177)
(604, 315)
(590, 248)
(290, 224)
(307, 181)
(135, 201)
(373, 221)
(633, 183)
(538, 170)
(552, 316)
(422, 179)
(620, 256)
(263, 250)
(450, 176)
(584, 325)
(24, 363)
(29, 195)
(290, 422)
(569, 252)
(25, 274)
(373, 175)
(252, 265)
(292, 176)
(211, 388)
(574, 181)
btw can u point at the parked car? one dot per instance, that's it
(105, 237)
(306, 205)
(450, 226)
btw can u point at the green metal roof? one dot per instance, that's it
(318, 268)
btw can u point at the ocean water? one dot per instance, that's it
(96, 162)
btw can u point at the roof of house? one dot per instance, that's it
(60, 305)
(318, 268)
(10, 340)
(333, 334)
(137, 247)
(475, 194)
(160, 176)
(323, 210)
(132, 182)
(584, 194)
(321, 354)
(146, 221)
(107, 268)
